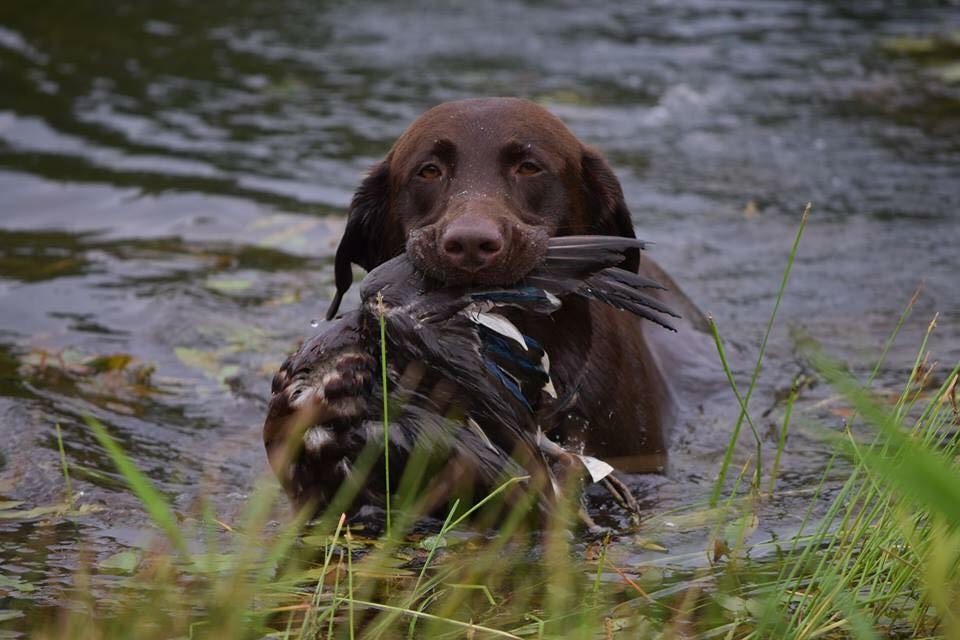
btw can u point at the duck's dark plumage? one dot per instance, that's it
(464, 384)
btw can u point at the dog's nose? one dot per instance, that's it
(472, 242)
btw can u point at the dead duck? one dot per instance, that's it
(467, 391)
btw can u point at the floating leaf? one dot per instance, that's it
(650, 545)
(85, 509)
(15, 583)
(950, 73)
(228, 371)
(124, 561)
(206, 563)
(289, 234)
(742, 528)
(430, 542)
(228, 285)
(30, 514)
(113, 362)
(738, 605)
(910, 45)
(692, 520)
(316, 541)
(205, 361)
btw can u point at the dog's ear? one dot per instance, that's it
(370, 237)
(607, 210)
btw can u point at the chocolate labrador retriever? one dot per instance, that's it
(471, 191)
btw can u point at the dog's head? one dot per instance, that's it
(473, 189)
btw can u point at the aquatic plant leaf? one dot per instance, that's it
(910, 45)
(742, 528)
(205, 361)
(10, 584)
(434, 542)
(738, 605)
(112, 362)
(124, 561)
(650, 545)
(228, 371)
(316, 541)
(228, 285)
(210, 563)
(30, 514)
(950, 73)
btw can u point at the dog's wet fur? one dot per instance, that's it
(471, 191)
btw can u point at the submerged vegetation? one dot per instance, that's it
(875, 555)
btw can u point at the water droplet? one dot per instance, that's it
(314, 323)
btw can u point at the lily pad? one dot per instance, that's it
(740, 606)
(430, 541)
(124, 562)
(208, 563)
(16, 584)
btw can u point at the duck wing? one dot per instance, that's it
(586, 266)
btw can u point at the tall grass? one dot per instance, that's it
(886, 558)
(744, 401)
(883, 560)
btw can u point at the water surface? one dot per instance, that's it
(173, 181)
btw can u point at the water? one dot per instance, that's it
(173, 183)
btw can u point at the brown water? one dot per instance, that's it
(173, 181)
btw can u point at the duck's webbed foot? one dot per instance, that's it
(623, 496)
(569, 466)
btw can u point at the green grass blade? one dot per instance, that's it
(721, 478)
(914, 469)
(63, 464)
(734, 438)
(156, 504)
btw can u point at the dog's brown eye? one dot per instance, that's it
(429, 172)
(527, 168)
